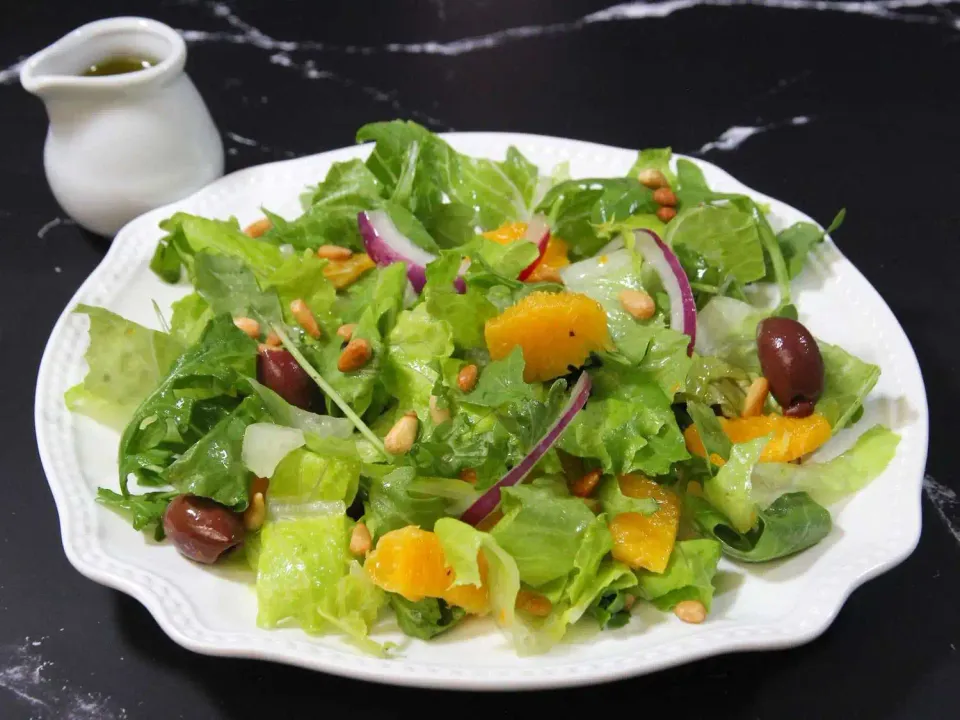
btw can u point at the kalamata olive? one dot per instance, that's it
(279, 371)
(791, 363)
(202, 529)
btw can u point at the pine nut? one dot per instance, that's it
(666, 214)
(360, 540)
(467, 378)
(305, 319)
(346, 331)
(756, 397)
(437, 413)
(402, 435)
(652, 178)
(334, 252)
(258, 228)
(250, 326)
(585, 486)
(469, 475)
(355, 355)
(638, 303)
(691, 611)
(273, 340)
(665, 196)
(533, 603)
(255, 513)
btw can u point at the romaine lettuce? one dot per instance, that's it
(689, 575)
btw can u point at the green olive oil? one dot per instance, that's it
(118, 65)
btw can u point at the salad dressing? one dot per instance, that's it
(118, 65)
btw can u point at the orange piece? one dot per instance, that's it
(507, 233)
(343, 273)
(557, 332)
(410, 562)
(792, 437)
(554, 258)
(646, 541)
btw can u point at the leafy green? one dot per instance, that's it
(300, 277)
(306, 575)
(688, 576)
(415, 347)
(191, 313)
(614, 502)
(847, 381)
(305, 476)
(502, 383)
(628, 425)
(799, 239)
(730, 489)
(391, 505)
(715, 440)
(542, 531)
(126, 362)
(465, 314)
(201, 389)
(792, 523)
(228, 286)
(266, 444)
(725, 236)
(461, 546)
(655, 159)
(144, 511)
(213, 466)
(710, 381)
(425, 618)
(828, 481)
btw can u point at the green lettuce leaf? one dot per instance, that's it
(688, 576)
(300, 277)
(391, 504)
(725, 236)
(541, 531)
(730, 490)
(304, 476)
(614, 502)
(191, 314)
(655, 159)
(126, 362)
(425, 618)
(201, 389)
(798, 240)
(144, 511)
(465, 314)
(306, 576)
(710, 381)
(415, 347)
(794, 522)
(228, 286)
(847, 381)
(829, 481)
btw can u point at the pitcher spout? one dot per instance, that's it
(61, 67)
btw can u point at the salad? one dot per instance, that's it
(459, 387)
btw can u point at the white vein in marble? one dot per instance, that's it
(735, 136)
(946, 503)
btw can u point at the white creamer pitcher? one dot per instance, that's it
(120, 145)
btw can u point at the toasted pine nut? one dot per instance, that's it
(638, 303)
(250, 326)
(585, 486)
(545, 273)
(665, 196)
(756, 397)
(666, 214)
(652, 178)
(467, 378)
(258, 228)
(255, 513)
(360, 539)
(533, 603)
(437, 413)
(273, 340)
(628, 601)
(346, 331)
(402, 435)
(469, 475)
(355, 355)
(691, 611)
(334, 252)
(305, 319)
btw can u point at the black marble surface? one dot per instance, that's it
(854, 104)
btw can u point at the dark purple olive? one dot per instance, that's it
(791, 363)
(202, 529)
(279, 371)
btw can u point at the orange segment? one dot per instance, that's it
(410, 562)
(646, 541)
(507, 233)
(557, 331)
(792, 437)
(343, 273)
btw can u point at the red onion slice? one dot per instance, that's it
(683, 309)
(537, 232)
(386, 245)
(491, 498)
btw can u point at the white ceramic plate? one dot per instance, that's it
(763, 607)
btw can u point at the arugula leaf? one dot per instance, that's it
(301, 277)
(425, 618)
(200, 389)
(144, 511)
(688, 576)
(213, 466)
(126, 362)
(798, 240)
(542, 531)
(502, 383)
(628, 425)
(792, 523)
